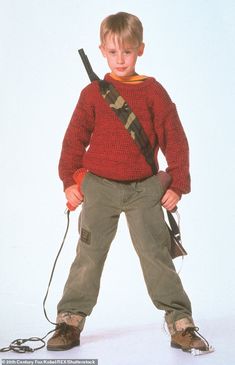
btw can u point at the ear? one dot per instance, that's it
(102, 48)
(141, 49)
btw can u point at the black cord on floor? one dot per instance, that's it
(18, 345)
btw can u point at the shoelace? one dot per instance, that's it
(193, 332)
(63, 328)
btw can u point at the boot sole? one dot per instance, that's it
(179, 347)
(63, 348)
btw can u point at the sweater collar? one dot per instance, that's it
(134, 79)
(129, 85)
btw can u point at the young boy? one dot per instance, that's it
(112, 177)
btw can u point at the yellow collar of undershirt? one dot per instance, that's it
(135, 79)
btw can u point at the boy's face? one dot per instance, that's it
(121, 58)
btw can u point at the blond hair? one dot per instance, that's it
(125, 27)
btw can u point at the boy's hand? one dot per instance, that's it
(73, 195)
(170, 200)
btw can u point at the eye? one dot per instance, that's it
(112, 52)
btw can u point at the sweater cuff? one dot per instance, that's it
(78, 177)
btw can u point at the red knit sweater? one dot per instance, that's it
(97, 140)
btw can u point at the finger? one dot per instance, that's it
(80, 196)
(73, 199)
(164, 199)
(171, 207)
(170, 204)
(77, 201)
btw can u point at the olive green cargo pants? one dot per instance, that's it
(104, 200)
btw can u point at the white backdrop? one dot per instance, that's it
(190, 50)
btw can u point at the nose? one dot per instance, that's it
(120, 58)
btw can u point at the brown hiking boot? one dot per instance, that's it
(190, 340)
(64, 338)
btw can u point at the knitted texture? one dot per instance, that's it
(96, 139)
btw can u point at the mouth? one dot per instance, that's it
(120, 69)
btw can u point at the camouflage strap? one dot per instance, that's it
(129, 120)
